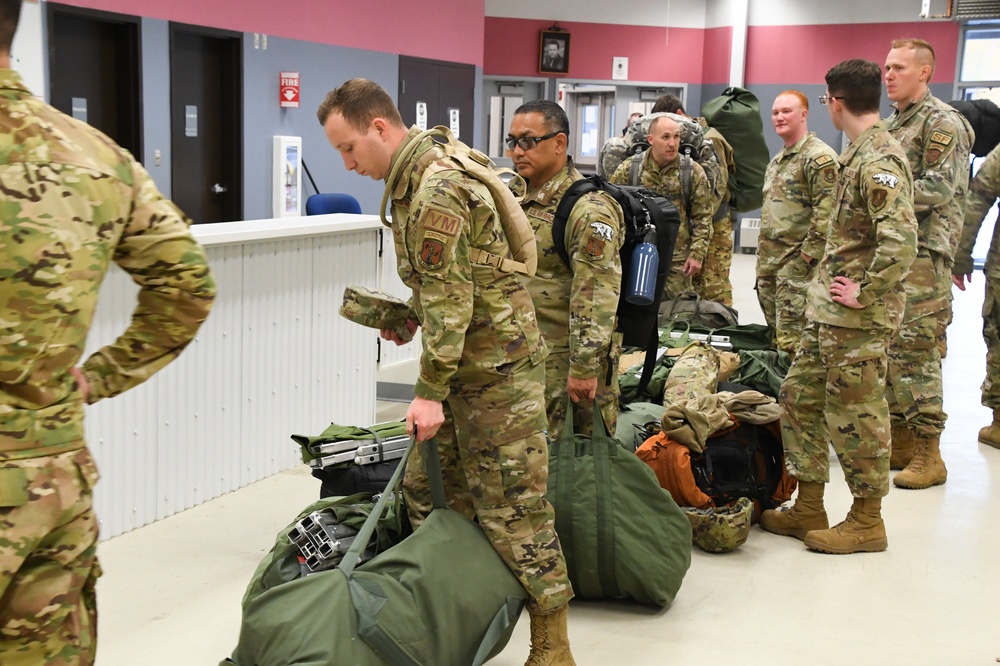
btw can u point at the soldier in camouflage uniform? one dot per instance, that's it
(798, 197)
(835, 389)
(983, 193)
(481, 386)
(937, 139)
(660, 172)
(575, 306)
(72, 202)
(712, 281)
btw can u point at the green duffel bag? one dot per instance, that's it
(441, 596)
(637, 422)
(622, 534)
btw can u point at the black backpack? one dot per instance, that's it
(746, 461)
(984, 116)
(640, 207)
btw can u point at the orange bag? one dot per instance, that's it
(671, 462)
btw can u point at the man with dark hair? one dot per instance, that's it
(575, 304)
(937, 140)
(712, 281)
(481, 387)
(72, 202)
(835, 389)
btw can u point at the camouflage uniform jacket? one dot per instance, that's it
(798, 198)
(872, 237)
(666, 181)
(983, 193)
(471, 316)
(936, 139)
(72, 203)
(576, 308)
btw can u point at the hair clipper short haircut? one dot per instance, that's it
(553, 115)
(360, 101)
(857, 84)
(924, 51)
(10, 13)
(799, 95)
(668, 104)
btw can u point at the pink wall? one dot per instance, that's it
(449, 30)
(718, 51)
(803, 54)
(654, 53)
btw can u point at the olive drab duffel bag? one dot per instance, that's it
(622, 534)
(441, 596)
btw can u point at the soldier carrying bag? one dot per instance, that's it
(441, 596)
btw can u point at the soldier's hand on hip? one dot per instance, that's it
(581, 389)
(426, 415)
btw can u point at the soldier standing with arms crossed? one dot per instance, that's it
(481, 389)
(575, 306)
(936, 139)
(72, 202)
(835, 389)
(798, 197)
(983, 193)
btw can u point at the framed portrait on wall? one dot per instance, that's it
(553, 52)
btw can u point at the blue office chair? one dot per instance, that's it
(323, 204)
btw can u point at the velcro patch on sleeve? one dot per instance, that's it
(822, 160)
(441, 220)
(945, 139)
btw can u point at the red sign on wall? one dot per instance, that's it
(289, 87)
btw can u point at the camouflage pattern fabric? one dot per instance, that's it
(712, 281)
(376, 309)
(482, 356)
(695, 232)
(720, 529)
(49, 614)
(798, 198)
(73, 202)
(983, 193)
(494, 462)
(835, 390)
(576, 307)
(695, 374)
(937, 140)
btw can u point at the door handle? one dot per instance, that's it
(218, 189)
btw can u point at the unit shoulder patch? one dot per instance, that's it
(944, 138)
(441, 220)
(821, 161)
(886, 179)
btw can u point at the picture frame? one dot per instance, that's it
(553, 52)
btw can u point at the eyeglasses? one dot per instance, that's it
(528, 142)
(825, 99)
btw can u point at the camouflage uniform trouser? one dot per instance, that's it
(556, 372)
(712, 281)
(991, 334)
(835, 393)
(782, 299)
(915, 387)
(48, 561)
(495, 463)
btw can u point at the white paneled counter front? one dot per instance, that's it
(273, 359)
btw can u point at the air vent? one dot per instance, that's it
(976, 9)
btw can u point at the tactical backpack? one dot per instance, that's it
(640, 208)
(517, 229)
(736, 115)
(984, 117)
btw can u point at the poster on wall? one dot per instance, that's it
(287, 176)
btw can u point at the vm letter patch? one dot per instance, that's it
(441, 220)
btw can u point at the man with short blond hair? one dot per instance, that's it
(937, 140)
(798, 197)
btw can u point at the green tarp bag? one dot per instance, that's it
(441, 596)
(736, 115)
(622, 534)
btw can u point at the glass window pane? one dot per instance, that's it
(981, 62)
(589, 130)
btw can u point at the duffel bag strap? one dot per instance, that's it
(604, 449)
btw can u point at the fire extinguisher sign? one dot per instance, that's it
(289, 87)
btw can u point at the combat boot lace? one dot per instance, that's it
(990, 435)
(926, 469)
(549, 639)
(805, 515)
(903, 444)
(862, 532)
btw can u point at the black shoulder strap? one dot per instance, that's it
(573, 194)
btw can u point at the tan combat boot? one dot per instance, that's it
(990, 435)
(805, 515)
(903, 443)
(549, 639)
(926, 469)
(862, 532)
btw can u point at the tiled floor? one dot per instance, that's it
(171, 591)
